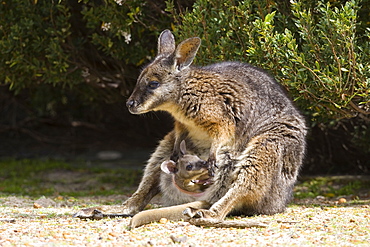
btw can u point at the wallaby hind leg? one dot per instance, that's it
(255, 173)
(180, 212)
(170, 213)
(148, 187)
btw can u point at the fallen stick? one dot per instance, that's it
(225, 223)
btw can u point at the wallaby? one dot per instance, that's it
(231, 114)
(185, 180)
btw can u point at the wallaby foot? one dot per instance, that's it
(98, 213)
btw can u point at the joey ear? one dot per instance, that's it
(183, 147)
(185, 52)
(166, 42)
(169, 166)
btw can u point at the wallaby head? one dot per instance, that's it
(188, 167)
(159, 83)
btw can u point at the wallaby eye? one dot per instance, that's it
(189, 167)
(153, 85)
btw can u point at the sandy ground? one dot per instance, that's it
(49, 222)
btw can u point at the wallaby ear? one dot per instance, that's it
(169, 166)
(166, 42)
(185, 52)
(183, 147)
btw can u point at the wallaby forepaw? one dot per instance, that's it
(98, 213)
(89, 213)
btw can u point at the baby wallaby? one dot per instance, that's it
(185, 180)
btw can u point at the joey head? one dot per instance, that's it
(185, 180)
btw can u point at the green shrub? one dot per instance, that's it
(60, 54)
(31, 44)
(320, 53)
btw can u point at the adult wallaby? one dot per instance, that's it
(233, 115)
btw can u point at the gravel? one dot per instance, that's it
(49, 222)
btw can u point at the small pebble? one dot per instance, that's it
(163, 220)
(181, 239)
(342, 200)
(151, 243)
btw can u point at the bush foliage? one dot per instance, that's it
(319, 52)
(62, 53)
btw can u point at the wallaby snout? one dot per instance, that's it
(136, 102)
(199, 165)
(202, 164)
(131, 104)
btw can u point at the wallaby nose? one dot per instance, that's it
(203, 164)
(131, 103)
